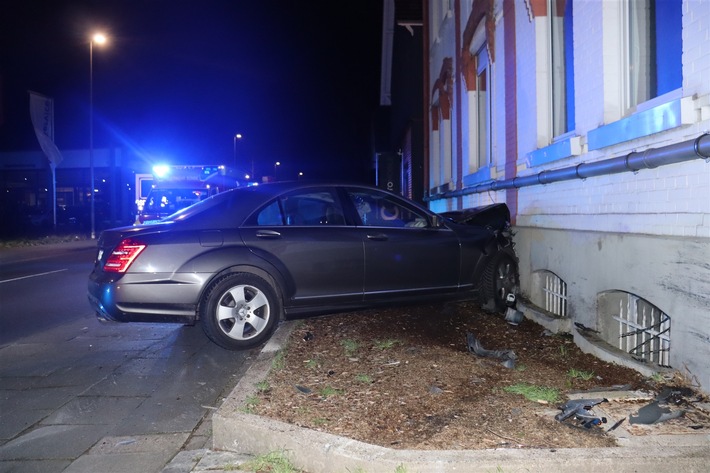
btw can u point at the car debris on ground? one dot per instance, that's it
(580, 410)
(659, 410)
(507, 357)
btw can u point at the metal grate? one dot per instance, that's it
(644, 331)
(555, 292)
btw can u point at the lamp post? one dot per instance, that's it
(238, 136)
(97, 38)
(276, 166)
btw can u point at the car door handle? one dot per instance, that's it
(268, 234)
(378, 237)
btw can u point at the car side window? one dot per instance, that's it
(270, 215)
(305, 207)
(383, 210)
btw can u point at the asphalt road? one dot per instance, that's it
(40, 290)
(80, 395)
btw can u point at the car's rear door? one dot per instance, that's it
(305, 235)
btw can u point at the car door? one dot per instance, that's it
(305, 235)
(404, 253)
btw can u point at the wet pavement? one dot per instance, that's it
(86, 396)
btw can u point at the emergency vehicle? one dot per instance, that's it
(175, 187)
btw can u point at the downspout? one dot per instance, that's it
(699, 148)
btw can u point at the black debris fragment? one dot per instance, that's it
(654, 413)
(584, 328)
(506, 356)
(658, 410)
(618, 423)
(303, 389)
(580, 410)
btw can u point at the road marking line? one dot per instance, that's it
(33, 275)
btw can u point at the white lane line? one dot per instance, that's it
(33, 275)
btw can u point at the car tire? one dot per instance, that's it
(499, 279)
(240, 311)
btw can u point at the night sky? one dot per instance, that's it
(298, 79)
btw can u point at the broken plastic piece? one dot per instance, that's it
(584, 328)
(579, 410)
(506, 356)
(618, 423)
(513, 317)
(654, 412)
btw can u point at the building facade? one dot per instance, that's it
(590, 119)
(29, 187)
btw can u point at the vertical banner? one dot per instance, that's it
(42, 114)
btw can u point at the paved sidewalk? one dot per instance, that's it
(90, 397)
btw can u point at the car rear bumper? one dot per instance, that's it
(123, 299)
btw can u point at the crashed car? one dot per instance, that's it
(240, 261)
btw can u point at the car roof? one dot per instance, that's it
(242, 201)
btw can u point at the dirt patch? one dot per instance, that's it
(404, 378)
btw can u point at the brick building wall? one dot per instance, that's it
(630, 236)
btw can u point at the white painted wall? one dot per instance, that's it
(646, 233)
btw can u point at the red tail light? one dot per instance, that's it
(122, 256)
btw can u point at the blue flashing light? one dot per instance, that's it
(161, 170)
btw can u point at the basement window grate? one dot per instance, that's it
(555, 293)
(644, 331)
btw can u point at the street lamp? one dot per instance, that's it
(99, 39)
(238, 136)
(276, 167)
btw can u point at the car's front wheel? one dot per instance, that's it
(499, 279)
(240, 311)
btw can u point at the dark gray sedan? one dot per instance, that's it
(241, 260)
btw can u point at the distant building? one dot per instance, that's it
(27, 195)
(589, 118)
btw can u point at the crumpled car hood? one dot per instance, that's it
(496, 216)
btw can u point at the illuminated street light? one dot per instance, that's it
(276, 166)
(99, 39)
(238, 136)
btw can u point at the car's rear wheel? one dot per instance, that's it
(499, 279)
(240, 311)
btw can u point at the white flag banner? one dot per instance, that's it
(42, 114)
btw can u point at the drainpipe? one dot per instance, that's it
(698, 148)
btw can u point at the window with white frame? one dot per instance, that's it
(445, 149)
(561, 63)
(652, 36)
(483, 115)
(441, 127)
(434, 20)
(439, 10)
(477, 105)
(434, 148)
